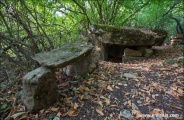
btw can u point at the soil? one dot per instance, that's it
(156, 92)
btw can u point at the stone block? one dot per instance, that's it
(85, 65)
(146, 51)
(39, 89)
(131, 52)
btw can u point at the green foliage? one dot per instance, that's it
(32, 26)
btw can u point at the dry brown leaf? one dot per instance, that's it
(117, 87)
(100, 112)
(103, 97)
(120, 84)
(107, 101)
(100, 103)
(71, 112)
(59, 114)
(180, 91)
(109, 88)
(54, 109)
(156, 111)
(113, 105)
(177, 107)
(174, 94)
(76, 105)
(137, 115)
(83, 88)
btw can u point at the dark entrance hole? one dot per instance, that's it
(115, 53)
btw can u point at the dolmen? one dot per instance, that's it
(39, 86)
(125, 42)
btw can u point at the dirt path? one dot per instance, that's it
(153, 88)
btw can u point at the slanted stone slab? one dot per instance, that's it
(39, 89)
(63, 56)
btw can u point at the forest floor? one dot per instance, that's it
(154, 92)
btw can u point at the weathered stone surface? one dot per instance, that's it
(128, 36)
(39, 89)
(85, 65)
(61, 57)
(131, 52)
(146, 52)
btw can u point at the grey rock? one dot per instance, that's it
(39, 89)
(85, 65)
(131, 52)
(129, 75)
(126, 113)
(134, 107)
(146, 51)
(63, 56)
(128, 36)
(139, 102)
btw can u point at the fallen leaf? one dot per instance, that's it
(59, 114)
(137, 115)
(100, 103)
(76, 105)
(100, 112)
(107, 101)
(156, 111)
(16, 115)
(180, 91)
(109, 88)
(54, 109)
(120, 84)
(177, 107)
(71, 112)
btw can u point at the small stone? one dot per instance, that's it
(134, 107)
(125, 85)
(129, 75)
(138, 101)
(126, 113)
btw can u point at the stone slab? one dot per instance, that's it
(63, 56)
(128, 36)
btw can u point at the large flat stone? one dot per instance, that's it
(63, 56)
(127, 36)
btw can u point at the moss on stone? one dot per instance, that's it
(75, 49)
